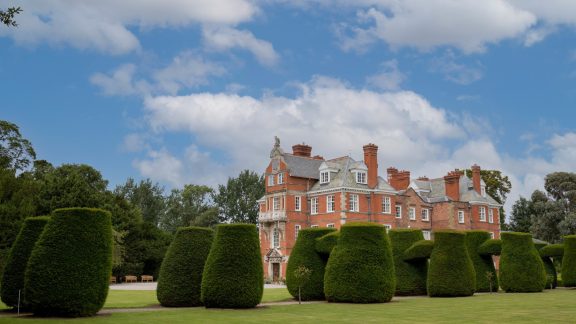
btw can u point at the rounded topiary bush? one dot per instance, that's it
(360, 268)
(486, 277)
(70, 266)
(410, 276)
(304, 254)
(569, 261)
(551, 275)
(521, 267)
(13, 277)
(326, 243)
(180, 277)
(451, 272)
(233, 276)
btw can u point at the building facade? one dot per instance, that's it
(304, 191)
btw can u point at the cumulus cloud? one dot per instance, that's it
(388, 78)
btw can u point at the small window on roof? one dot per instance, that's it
(324, 176)
(361, 177)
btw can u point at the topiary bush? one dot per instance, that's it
(70, 266)
(410, 276)
(304, 254)
(451, 272)
(233, 275)
(552, 250)
(419, 250)
(490, 247)
(569, 261)
(13, 277)
(181, 271)
(521, 267)
(486, 277)
(326, 243)
(360, 268)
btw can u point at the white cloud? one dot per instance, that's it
(120, 82)
(456, 72)
(389, 77)
(161, 166)
(224, 38)
(105, 25)
(536, 35)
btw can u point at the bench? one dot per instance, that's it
(147, 278)
(130, 279)
(112, 279)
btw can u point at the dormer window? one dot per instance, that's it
(361, 177)
(324, 176)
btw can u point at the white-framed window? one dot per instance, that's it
(361, 177)
(492, 236)
(426, 234)
(276, 238)
(354, 203)
(425, 214)
(482, 210)
(280, 178)
(331, 225)
(387, 227)
(276, 203)
(270, 180)
(398, 211)
(461, 216)
(314, 226)
(314, 206)
(490, 215)
(297, 203)
(296, 231)
(324, 176)
(412, 213)
(386, 205)
(330, 204)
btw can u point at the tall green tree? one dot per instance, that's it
(521, 216)
(16, 152)
(145, 195)
(498, 186)
(547, 214)
(237, 200)
(185, 207)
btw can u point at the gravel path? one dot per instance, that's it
(152, 286)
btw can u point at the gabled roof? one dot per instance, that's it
(434, 190)
(302, 167)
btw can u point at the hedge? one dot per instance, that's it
(410, 276)
(569, 261)
(521, 267)
(70, 266)
(451, 272)
(360, 268)
(490, 247)
(13, 277)
(419, 250)
(552, 250)
(486, 277)
(326, 243)
(181, 271)
(304, 254)
(233, 276)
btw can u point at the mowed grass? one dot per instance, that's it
(558, 306)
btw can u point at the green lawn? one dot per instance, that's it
(558, 306)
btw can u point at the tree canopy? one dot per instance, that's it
(237, 200)
(7, 16)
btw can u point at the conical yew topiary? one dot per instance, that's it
(521, 267)
(360, 268)
(304, 254)
(486, 276)
(70, 266)
(410, 276)
(451, 272)
(569, 261)
(233, 276)
(180, 277)
(13, 277)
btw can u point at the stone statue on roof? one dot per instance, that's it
(276, 150)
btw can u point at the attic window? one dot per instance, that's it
(361, 177)
(324, 176)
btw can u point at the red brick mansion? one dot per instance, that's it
(305, 191)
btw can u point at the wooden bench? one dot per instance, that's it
(147, 278)
(112, 279)
(130, 279)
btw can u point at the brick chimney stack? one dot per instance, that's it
(476, 178)
(302, 150)
(452, 184)
(371, 161)
(399, 180)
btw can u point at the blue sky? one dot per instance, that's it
(195, 91)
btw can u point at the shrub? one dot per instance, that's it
(233, 276)
(552, 250)
(304, 254)
(486, 277)
(490, 247)
(360, 268)
(569, 261)
(451, 272)
(13, 277)
(521, 267)
(326, 243)
(181, 271)
(410, 276)
(419, 250)
(70, 266)
(551, 275)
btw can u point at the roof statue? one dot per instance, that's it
(276, 150)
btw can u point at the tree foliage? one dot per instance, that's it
(237, 200)
(16, 152)
(7, 16)
(187, 207)
(521, 216)
(146, 196)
